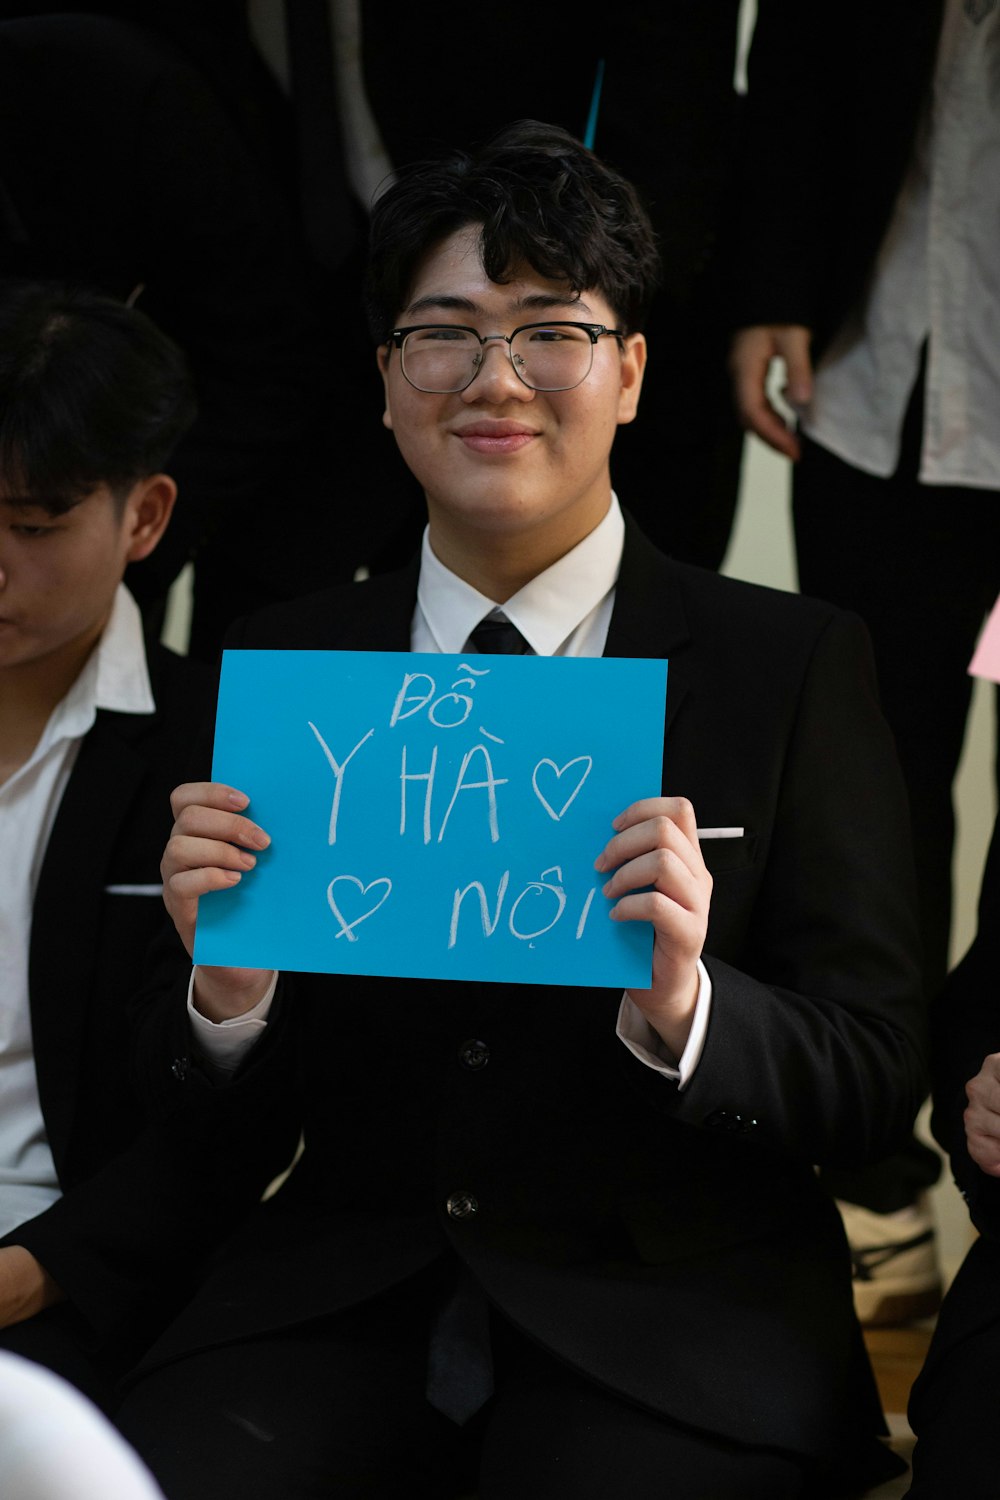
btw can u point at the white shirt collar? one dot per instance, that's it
(549, 607)
(123, 684)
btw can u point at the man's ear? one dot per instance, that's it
(633, 368)
(382, 355)
(147, 513)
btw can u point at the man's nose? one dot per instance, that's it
(496, 378)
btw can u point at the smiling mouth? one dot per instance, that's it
(496, 437)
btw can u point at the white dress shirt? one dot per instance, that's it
(937, 278)
(563, 611)
(115, 677)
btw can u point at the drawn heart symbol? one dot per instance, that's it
(581, 760)
(347, 928)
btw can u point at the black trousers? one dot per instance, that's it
(954, 1402)
(921, 565)
(338, 1408)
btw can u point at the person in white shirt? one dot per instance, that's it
(93, 398)
(867, 263)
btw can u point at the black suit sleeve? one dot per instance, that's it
(127, 1245)
(815, 1046)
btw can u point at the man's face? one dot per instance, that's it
(58, 574)
(499, 460)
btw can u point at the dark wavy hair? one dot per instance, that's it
(91, 393)
(540, 197)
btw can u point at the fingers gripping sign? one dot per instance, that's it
(982, 1116)
(657, 875)
(212, 846)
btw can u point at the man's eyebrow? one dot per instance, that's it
(441, 302)
(539, 301)
(532, 302)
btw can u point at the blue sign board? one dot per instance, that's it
(434, 816)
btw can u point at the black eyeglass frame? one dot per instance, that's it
(594, 330)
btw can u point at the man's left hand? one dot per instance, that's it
(660, 877)
(982, 1116)
(25, 1286)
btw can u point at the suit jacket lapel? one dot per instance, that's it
(648, 618)
(66, 919)
(379, 613)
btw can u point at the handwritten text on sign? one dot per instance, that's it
(434, 816)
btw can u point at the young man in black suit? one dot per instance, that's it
(556, 1242)
(93, 721)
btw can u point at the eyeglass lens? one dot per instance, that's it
(547, 359)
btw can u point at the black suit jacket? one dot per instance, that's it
(667, 116)
(132, 1208)
(673, 1245)
(119, 168)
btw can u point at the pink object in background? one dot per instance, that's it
(986, 659)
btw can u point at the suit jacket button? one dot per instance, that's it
(474, 1055)
(462, 1206)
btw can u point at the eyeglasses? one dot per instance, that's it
(443, 358)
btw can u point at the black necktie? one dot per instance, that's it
(459, 1359)
(496, 636)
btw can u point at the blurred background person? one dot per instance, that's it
(866, 261)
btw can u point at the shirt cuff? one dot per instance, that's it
(643, 1042)
(224, 1044)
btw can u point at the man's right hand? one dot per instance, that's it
(982, 1116)
(212, 846)
(750, 358)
